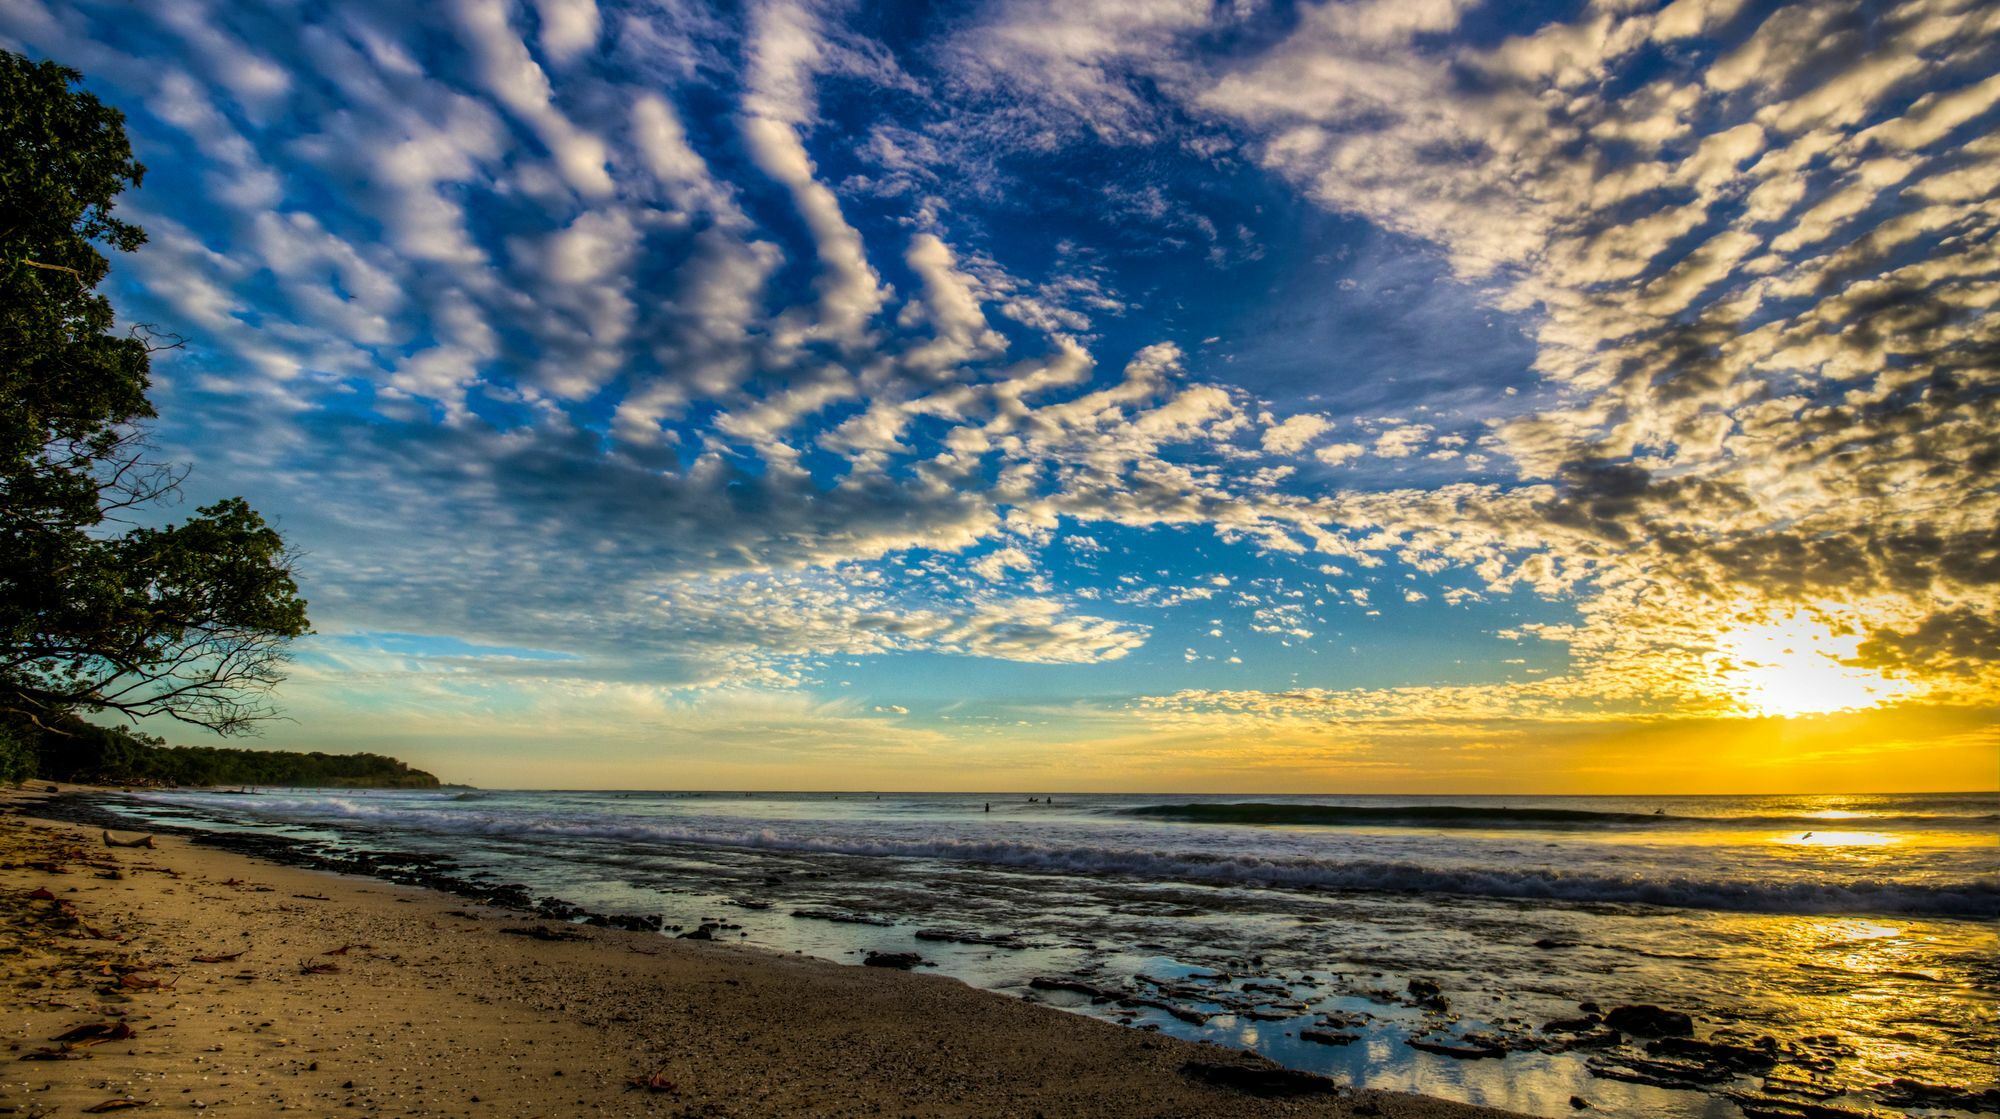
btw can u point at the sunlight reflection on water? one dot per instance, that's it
(1839, 839)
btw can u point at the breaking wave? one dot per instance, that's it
(1976, 898)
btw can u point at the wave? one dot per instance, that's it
(1467, 816)
(1979, 898)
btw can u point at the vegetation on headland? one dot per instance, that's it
(96, 755)
(104, 606)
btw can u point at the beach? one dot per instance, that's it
(331, 994)
(1814, 955)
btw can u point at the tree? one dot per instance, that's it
(98, 613)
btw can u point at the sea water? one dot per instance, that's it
(1860, 933)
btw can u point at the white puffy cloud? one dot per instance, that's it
(1292, 436)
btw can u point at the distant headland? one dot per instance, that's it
(83, 752)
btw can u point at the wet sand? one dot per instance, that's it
(334, 995)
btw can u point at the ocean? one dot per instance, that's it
(1833, 952)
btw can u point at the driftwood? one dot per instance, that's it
(145, 841)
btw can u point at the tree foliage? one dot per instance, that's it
(99, 611)
(89, 753)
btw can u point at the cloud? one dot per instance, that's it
(700, 345)
(1334, 454)
(1291, 436)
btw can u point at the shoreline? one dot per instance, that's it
(331, 993)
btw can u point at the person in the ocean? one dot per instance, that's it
(989, 806)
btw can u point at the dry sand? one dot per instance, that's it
(345, 996)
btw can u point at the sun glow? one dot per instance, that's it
(1797, 665)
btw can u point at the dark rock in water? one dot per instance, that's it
(1649, 1021)
(1767, 1107)
(1579, 1103)
(1428, 995)
(841, 918)
(1548, 943)
(1738, 1058)
(1046, 983)
(1588, 1007)
(991, 940)
(1328, 1037)
(1467, 1050)
(1657, 1074)
(706, 932)
(746, 903)
(1594, 1039)
(1191, 1017)
(1904, 1092)
(1572, 1025)
(1266, 988)
(902, 961)
(1810, 1089)
(1267, 1081)
(630, 922)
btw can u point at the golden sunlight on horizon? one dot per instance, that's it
(1797, 665)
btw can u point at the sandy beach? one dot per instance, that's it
(205, 980)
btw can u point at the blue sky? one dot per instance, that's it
(1235, 395)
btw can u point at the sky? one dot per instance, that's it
(1376, 396)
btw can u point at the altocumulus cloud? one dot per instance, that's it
(701, 345)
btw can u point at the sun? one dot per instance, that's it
(1797, 665)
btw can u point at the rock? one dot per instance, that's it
(1812, 1089)
(991, 940)
(1572, 1025)
(1737, 1058)
(1186, 1014)
(1328, 1037)
(902, 961)
(1594, 1039)
(1649, 1021)
(1428, 995)
(1547, 944)
(1046, 983)
(1579, 1103)
(1767, 1107)
(706, 932)
(841, 918)
(1267, 1081)
(1467, 1050)
(1904, 1092)
(1656, 1074)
